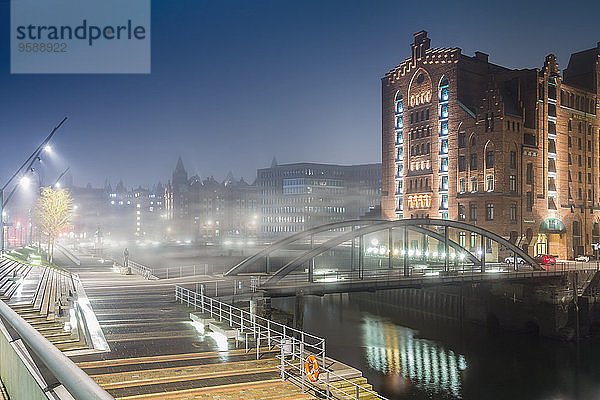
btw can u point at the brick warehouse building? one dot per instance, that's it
(512, 151)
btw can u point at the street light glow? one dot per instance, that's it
(24, 181)
(48, 148)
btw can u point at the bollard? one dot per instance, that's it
(283, 367)
(302, 369)
(258, 344)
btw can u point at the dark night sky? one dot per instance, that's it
(235, 83)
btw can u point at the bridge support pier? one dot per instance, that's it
(299, 311)
(405, 258)
(390, 244)
(361, 256)
(446, 250)
(483, 251)
(352, 262)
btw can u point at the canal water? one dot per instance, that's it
(407, 354)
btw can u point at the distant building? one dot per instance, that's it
(207, 211)
(513, 151)
(294, 197)
(118, 213)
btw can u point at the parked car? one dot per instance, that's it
(546, 260)
(583, 258)
(511, 260)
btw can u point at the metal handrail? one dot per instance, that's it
(246, 320)
(78, 383)
(141, 270)
(276, 334)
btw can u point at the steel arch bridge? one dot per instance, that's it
(401, 249)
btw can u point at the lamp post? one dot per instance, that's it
(27, 165)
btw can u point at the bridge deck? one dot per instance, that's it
(394, 279)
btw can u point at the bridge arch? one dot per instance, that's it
(361, 228)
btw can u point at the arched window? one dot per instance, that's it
(444, 89)
(398, 101)
(420, 88)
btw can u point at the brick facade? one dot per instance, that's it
(512, 151)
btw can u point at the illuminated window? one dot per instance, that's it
(462, 185)
(444, 146)
(444, 92)
(473, 241)
(444, 182)
(473, 184)
(399, 105)
(461, 239)
(490, 183)
(444, 164)
(512, 183)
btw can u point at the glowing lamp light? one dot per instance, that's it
(417, 252)
(461, 256)
(395, 252)
(374, 242)
(48, 148)
(57, 185)
(411, 252)
(24, 181)
(435, 254)
(403, 252)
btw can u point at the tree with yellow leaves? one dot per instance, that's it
(54, 209)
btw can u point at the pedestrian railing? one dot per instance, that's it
(185, 270)
(141, 270)
(295, 345)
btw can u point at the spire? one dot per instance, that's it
(179, 166)
(228, 179)
(274, 162)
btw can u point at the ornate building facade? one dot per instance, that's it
(513, 151)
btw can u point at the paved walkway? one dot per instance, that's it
(156, 353)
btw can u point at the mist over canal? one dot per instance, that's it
(408, 354)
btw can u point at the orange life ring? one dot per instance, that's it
(311, 365)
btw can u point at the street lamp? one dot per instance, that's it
(27, 166)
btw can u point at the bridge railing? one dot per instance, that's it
(295, 345)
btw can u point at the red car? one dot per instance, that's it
(546, 260)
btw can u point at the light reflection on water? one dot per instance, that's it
(394, 350)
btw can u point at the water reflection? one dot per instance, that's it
(395, 351)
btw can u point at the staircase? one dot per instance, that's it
(41, 296)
